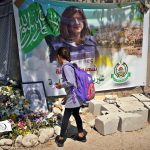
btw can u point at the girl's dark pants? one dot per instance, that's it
(68, 112)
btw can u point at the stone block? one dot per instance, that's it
(141, 97)
(130, 122)
(129, 106)
(110, 108)
(95, 107)
(129, 103)
(144, 112)
(128, 98)
(147, 105)
(107, 124)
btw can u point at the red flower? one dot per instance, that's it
(20, 124)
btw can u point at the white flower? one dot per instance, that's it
(7, 93)
(12, 96)
(13, 82)
(4, 93)
(17, 92)
(22, 97)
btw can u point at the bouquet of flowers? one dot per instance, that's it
(15, 108)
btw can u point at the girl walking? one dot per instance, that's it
(73, 103)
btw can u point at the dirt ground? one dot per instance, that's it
(135, 140)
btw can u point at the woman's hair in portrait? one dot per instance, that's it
(64, 53)
(32, 92)
(66, 18)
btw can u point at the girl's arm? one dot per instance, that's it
(70, 78)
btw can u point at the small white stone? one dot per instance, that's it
(49, 132)
(71, 119)
(43, 138)
(6, 147)
(57, 130)
(30, 140)
(56, 110)
(6, 142)
(2, 142)
(57, 103)
(19, 139)
(50, 115)
(92, 123)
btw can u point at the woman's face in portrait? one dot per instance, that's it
(76, 23)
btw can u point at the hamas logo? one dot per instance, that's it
(121, 73)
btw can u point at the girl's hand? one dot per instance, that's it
(58, 85)
(64, 100)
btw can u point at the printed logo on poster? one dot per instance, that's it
(121, 73)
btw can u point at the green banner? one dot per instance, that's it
(34, 26)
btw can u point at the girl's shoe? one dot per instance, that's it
(59, 142)
(81, 139)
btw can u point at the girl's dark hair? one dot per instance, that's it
(68, 13)
(64, 53)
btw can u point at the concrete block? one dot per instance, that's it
(147, 105)
(144, 112)
(107, 124)
(129, 106)
(95, 107)
(130, 103)
(141, 97)
(130, 122)
(111, 108)
(128, 98)
(105, 112)
(136, 109)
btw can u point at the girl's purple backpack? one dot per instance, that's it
(85, 87)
